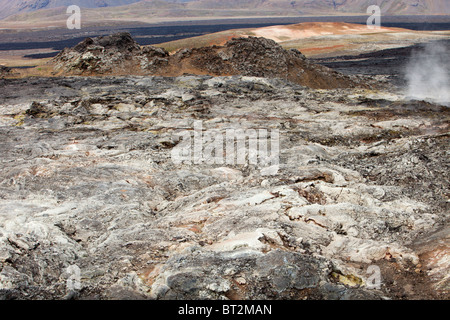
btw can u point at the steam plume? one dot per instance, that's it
(428, 74)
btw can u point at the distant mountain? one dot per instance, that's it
(331, 6)
(228, 8)
(10, 7)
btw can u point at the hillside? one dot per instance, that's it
(315, 39)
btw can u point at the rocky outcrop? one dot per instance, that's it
(92, 204)
(259, 57)
(114, 54)
(4, 71)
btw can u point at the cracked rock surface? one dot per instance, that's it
(87, 180)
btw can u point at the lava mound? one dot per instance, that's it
(119, 54)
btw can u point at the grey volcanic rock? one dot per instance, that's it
(88, 183)
(259, 57)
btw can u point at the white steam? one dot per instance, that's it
(428, 74)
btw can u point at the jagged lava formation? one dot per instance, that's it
(87, 179)
(119, 54)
